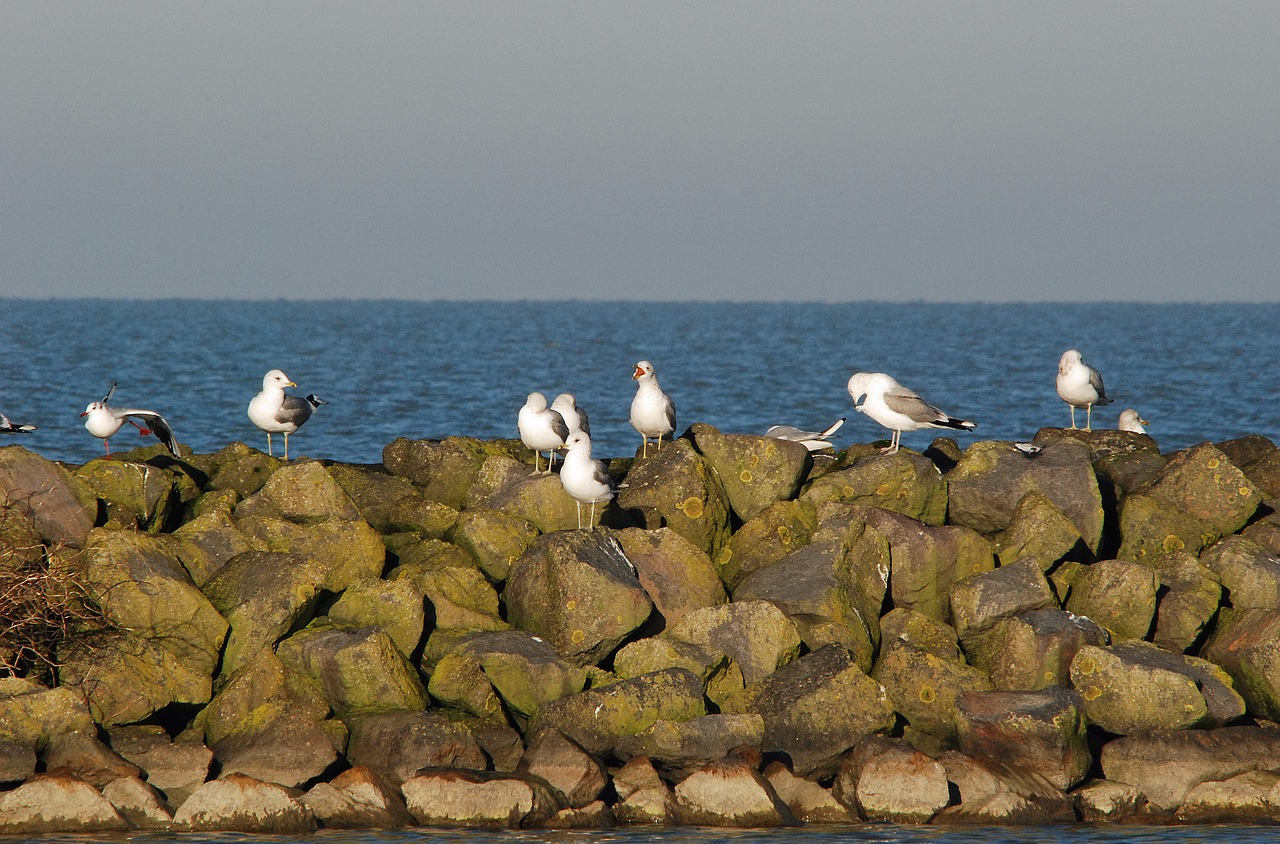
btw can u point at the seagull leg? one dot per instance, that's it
(579, 503)
(286, 448)
(592, 523)
(1073, 416)
(269, 445)
(1088, 417)
(551, 460)
(644, 447)
(107, 445)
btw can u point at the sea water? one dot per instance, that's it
(392, 369)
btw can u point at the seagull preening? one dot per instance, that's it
(277, 413)
(1131, 421)
(653, 413)
(1080, 385)
(584, 478)
(574, 417)
(812, 440)
(104, 420)
(541, 429)
(897, 408)
(7, 427)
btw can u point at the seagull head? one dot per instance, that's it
(276, 378)
(536, 402)
(93, 407)
(578, 441)
(644, 369)
(859, 384)
(1069, 359)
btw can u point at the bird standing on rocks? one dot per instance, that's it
(1080, 385)
(653, 413)
(541, 429)
(897, 408)
(574, 417)
(1132, 422)
(277, 413)
(103, 421)
(584, 478)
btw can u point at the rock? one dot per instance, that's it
(598, 719)
(677, 575)
(504, 484)
(1103, 800)
(1188, 601)
(577, 590)
(755, 634)
(62, 508)
(720, 675)
(134, 494)
(1249, 572)
(1259, 459)
(237, 803)
(1250, 797)
(1167, 765)
(980, 601)
(756, 471)
(575, 774)
(264, 690)
(340, 552)
(263, 595)
(808, 801)
(677, 488)
(17, 762)
(177, 769)
(1037, 732)
(991, 793)
(1136, 687)
(31, 714)
(206, 543)
(57, 802)
(304, 493)
(1040, 532)
(1033, 651)
(923, 688)
(360, 670)
(291, 750)
(392, 504)
(678, 748)
(357, 798)
(138, 803)
(393, 606)
(643, 797)
(904, 483)
(729, 795)
(1120, 596)
(1103, 443)
(884, 780)
(1244, 645)
(495, 540)
(986, 486)
(460, 798)
(779, 530)
(916, 628)
(460, 597)
(19, 538)
(816, 708)
(595, 815)
(458, 681)
(444, 470)
(237, 467)
(81, 754)
(396, 744)
(1199, 498)
(525, 672)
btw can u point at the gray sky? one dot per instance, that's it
(658, 150)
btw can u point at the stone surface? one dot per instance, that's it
(57, 802)
(357, 798)
(459, 798)
(756, 471)
(885, 780)
(729, 795)
(237, 803)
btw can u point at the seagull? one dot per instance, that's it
(812, 440)
(897, 408)
(104, 420)
(574, 417)
(7, 427)
(541, 429)
(277, 413)
(1080, 385)
(1131, 421)
(1029, 449)
(583, 478)
(653, 413)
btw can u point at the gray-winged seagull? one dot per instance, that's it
(541, 429)
(1131, 421)
(897, 408)
(584, 478)
(653, 413)
(277, 413)
(1080, 385)
(812, 440)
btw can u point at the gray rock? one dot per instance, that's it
(904, 483)
(1032, 651)
(678, 488)
(357, 798)
(1249, 797)
(57, 802)
(776, 532)
(30, 714)
(1120, 596)
(463, 798)
(1248, 572)
(991, 793)
(678, 748)
(237, 803)
(62, 508)
(1103, 800)
(576, 775)
(808, 801)
(732, 794)
(756, 471)
(303, 492)
(81, 754)
(978, 602)
(677, 575)
(177, 769)
(755, 634)
(139, 803)
(290, 750)
(1244, 645)
(396, 744)
(1041, 733)
(360, 670)
(885, 780)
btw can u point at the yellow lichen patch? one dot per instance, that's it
(784, 534)
(1087, 666)
(577, 636)
(1244, 490)
(570, 604)
(884, 488)
(754, 460)
(726, 555)
(691, 507)
(746, 477)
(1172, 543)
(1091, 692)
(847, 490)
(927, 694)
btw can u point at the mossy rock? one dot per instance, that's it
(677, 575)
(677, 488)
(445, 470)
(923, 688)
(62, 506)
(236, 467)
(342, 552)
(1039, 531)
(262, 691)
(360, 670)
(205, 544)
(525, 672)
(31, 714)
(905, 482)
(1120, 596)
(1033, 650)
(395, 606)
(495, 540)
(459, 596)
(135, 494)
(978, 602)
(391, 504)
(304, 493)
(756, 471)
(776, 532)
(755, 634)
(1189, 596)
(1246, 644)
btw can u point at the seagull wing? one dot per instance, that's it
(1095, 381)
(904, 401)
(157, 424)
(294, 410)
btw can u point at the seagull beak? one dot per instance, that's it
(290, 384)
(83, 415)
(639, 372)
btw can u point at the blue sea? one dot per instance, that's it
(392, 369)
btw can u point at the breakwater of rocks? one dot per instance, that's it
(753, 636)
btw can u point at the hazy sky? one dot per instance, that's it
(659, 150)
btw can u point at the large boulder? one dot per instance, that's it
(206, 543)
(1039, 531)
(577, 590)
(1039, 732)
(924, 688)
(994, 794)
(678, 748)
(238, 803)
(303, 492)
(575, 774)
(341, 551)
(505, 484)
(1189, 598)
(458, 594)
(57, 802)
(905, 483)
(394, 606)
(32, 714)
(755, 634)
(176, 768)
(732, 794)
(463, 798)
(444, 470)
(62, 507)
(677, 575)
(980, 601)
(495, 540)
(756, 471)
(1248, 572)
(394, 745)
(1033, 650)
(392, 504)
(678, 488)
(886, 780)
(357, 798)
(1119, 596)
(1246, 644)
(360, 670)
(134, 495)
(773, 534)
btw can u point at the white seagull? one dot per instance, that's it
(1080, 385)
(812, 440)
(104, 420)
(541, 429)
(653, 413)
(584, 478)
(574, 417)
(277, 413)
(7, 427)
(897, 408)
(1131, 421)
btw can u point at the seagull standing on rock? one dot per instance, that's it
(541, 429)
(1080, 385)
(104, 420)
(574, 417)
(653, 413)
(277, 413)
(897, 408)
(584, 478)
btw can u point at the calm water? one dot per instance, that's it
(432, 369)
